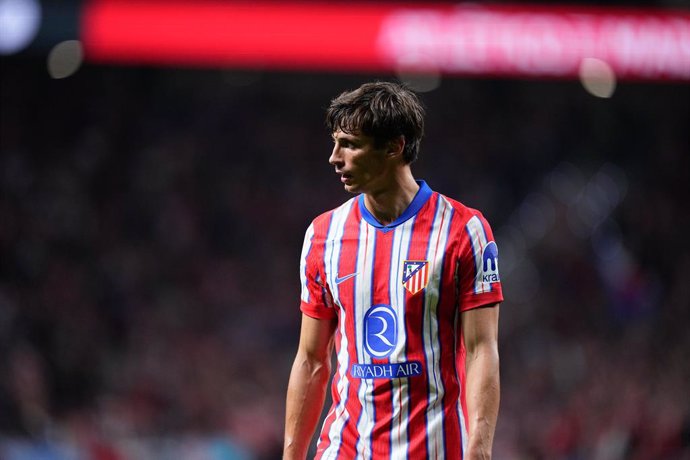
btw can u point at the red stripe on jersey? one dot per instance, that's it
(351, 241)
(446, 331)
(330, 418)
(347, 265)
(414, 314)
(445, 336)
(383, 403)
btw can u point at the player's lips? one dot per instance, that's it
(344, 177)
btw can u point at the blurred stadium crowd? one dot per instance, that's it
(150, 228)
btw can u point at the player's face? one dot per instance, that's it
(362, 167)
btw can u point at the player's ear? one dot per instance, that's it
(396, 146)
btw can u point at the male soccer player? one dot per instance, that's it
(404, 282)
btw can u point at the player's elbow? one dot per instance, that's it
(315, 367)
(321, 370)
(482, 351)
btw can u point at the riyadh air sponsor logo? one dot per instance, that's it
(386, 371)
(380, 331)
(415, 275)
(490, 264)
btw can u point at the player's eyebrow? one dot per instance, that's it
(339, 139)
(341, 136)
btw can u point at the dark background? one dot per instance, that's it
(150, 228)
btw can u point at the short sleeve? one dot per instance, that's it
(315, 297)
(478, 277)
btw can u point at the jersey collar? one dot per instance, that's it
(419, 200)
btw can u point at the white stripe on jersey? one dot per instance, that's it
(306, 247)
(365, 267)
(331, 258)
(475, 230)
(401, 396)
(333, 247)
(438, 239)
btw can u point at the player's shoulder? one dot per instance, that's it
(321, 223)
(463, 213)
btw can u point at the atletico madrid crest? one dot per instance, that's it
(415, 275)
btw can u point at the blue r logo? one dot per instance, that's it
(380, 331)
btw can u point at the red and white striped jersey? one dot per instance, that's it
(397, 291)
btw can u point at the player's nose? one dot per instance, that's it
(336, 158)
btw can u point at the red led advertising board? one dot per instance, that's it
(465, 39)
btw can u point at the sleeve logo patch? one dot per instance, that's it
(489, 272)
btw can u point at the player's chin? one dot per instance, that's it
(351, 186)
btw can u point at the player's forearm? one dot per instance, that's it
(305, 397)
(483, 396)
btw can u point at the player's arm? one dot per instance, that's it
(480, 333)
(307, 387)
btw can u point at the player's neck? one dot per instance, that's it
(390, 202)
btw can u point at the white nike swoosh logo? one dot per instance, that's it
(346, 277)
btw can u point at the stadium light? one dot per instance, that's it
(19, 24)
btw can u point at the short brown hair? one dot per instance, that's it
(382, 110)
